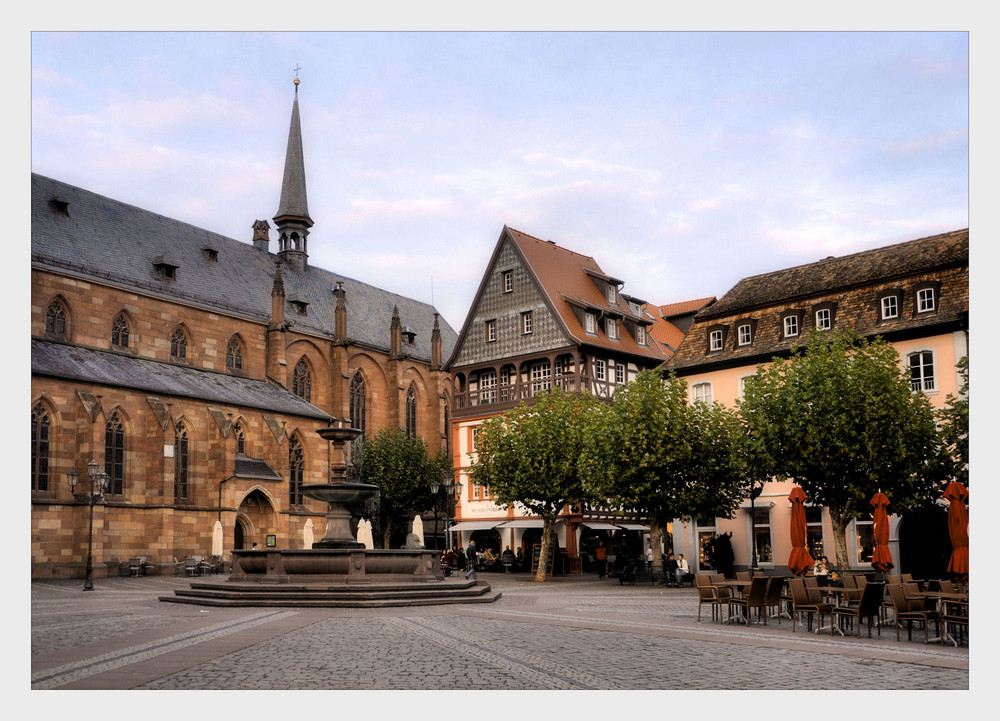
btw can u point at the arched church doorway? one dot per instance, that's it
(924, 544)
(255, 518)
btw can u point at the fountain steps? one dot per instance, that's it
(369, 595)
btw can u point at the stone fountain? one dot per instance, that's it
(338, 570)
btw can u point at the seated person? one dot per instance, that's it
(683, 574)
(670, 570)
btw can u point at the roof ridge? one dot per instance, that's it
(553, 244)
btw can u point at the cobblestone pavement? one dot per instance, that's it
(567, 634)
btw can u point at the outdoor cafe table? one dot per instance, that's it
(941, 597)
(741, 587)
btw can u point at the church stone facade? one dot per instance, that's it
(195, 370)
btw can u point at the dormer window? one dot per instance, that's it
(926, 298)
(888, 305)
(300, 306)
(211, 254)
(717, 338)
(824, 316)
(612, 294)
(791, 324)
(409, 336)
(640, 334)
(744, 334)
(59, 206)
(590, 323)
(165, 267)
(611, 328)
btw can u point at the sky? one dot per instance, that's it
(681, 161)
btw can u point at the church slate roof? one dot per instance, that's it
(73, 363)
(105, 240)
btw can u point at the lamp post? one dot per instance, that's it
(450, 489)
(754, 493)
(94, 473)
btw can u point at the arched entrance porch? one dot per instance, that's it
(255, 519)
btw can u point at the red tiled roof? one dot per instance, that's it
(688, 306)
(564, 274)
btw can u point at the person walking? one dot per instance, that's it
(601, 554)
(472, 560)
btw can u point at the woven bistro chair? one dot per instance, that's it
(910, 591)
(946, 586)
(723, 592)
(905, 612)
(773, 598)
(754, 599)
(868, 607)
(743, 575)
(803, 603)
(708, 595)
(953, 621)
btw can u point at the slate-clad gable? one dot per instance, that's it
(103, 239)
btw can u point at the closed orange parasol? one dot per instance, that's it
(958, 529)
(799, 560)
(881, 556)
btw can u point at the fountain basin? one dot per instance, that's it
(339, 492)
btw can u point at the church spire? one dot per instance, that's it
(293, 221)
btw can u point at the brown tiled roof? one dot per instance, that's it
(683, 308)
(667, 334)
(565, 278)
(851, 285)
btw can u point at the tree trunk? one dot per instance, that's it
(656, 539)
(386, 533)
(547, 533)
(839, 523)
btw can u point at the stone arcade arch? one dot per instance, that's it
(255, 519)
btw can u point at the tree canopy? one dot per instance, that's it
(400, 466)
(955, 428)
(668, 457)
(840, 418)
(536, 456)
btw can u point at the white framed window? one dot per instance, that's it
(743, 383)
(488, 386)
(824, 319)
(744, 334)
(864, 541)
(612, 294)
(526, 322)
(475, 438)
(701, 392)
(791, 325)
(600, 371)
(590, 323)
(921, 370)
(612, 328)
(925, 300)
(814, 531)
(508, 281)
(890, 307)
(491, 331)
(541, 376)
(715, 340)
(761, 538)
(640, 335)
(619, 373)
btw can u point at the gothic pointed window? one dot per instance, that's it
(178, 345)
(114, 454)
(40, 429)
(119, 332)
(55, 319)
(296, 464)
(358, 408)
(181, 460)
(301, 381)
(241, 439)
(411, 412)
(234, 356)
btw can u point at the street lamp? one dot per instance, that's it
(95, 473)
(450, 489)
(754, 494)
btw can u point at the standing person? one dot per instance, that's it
(519, 560)
(682, 568)
(670, 570)
(470, 557)
(601, 554)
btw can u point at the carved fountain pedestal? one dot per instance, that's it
(337, 570)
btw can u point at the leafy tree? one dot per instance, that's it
(670, 458)
(535, 455)
(400, 467)
(839, 417)
(955, 428)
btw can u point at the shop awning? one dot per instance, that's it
(600, 525)
(474, 525)
(524, 523)
(632, 527)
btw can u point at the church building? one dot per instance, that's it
(191, 371)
